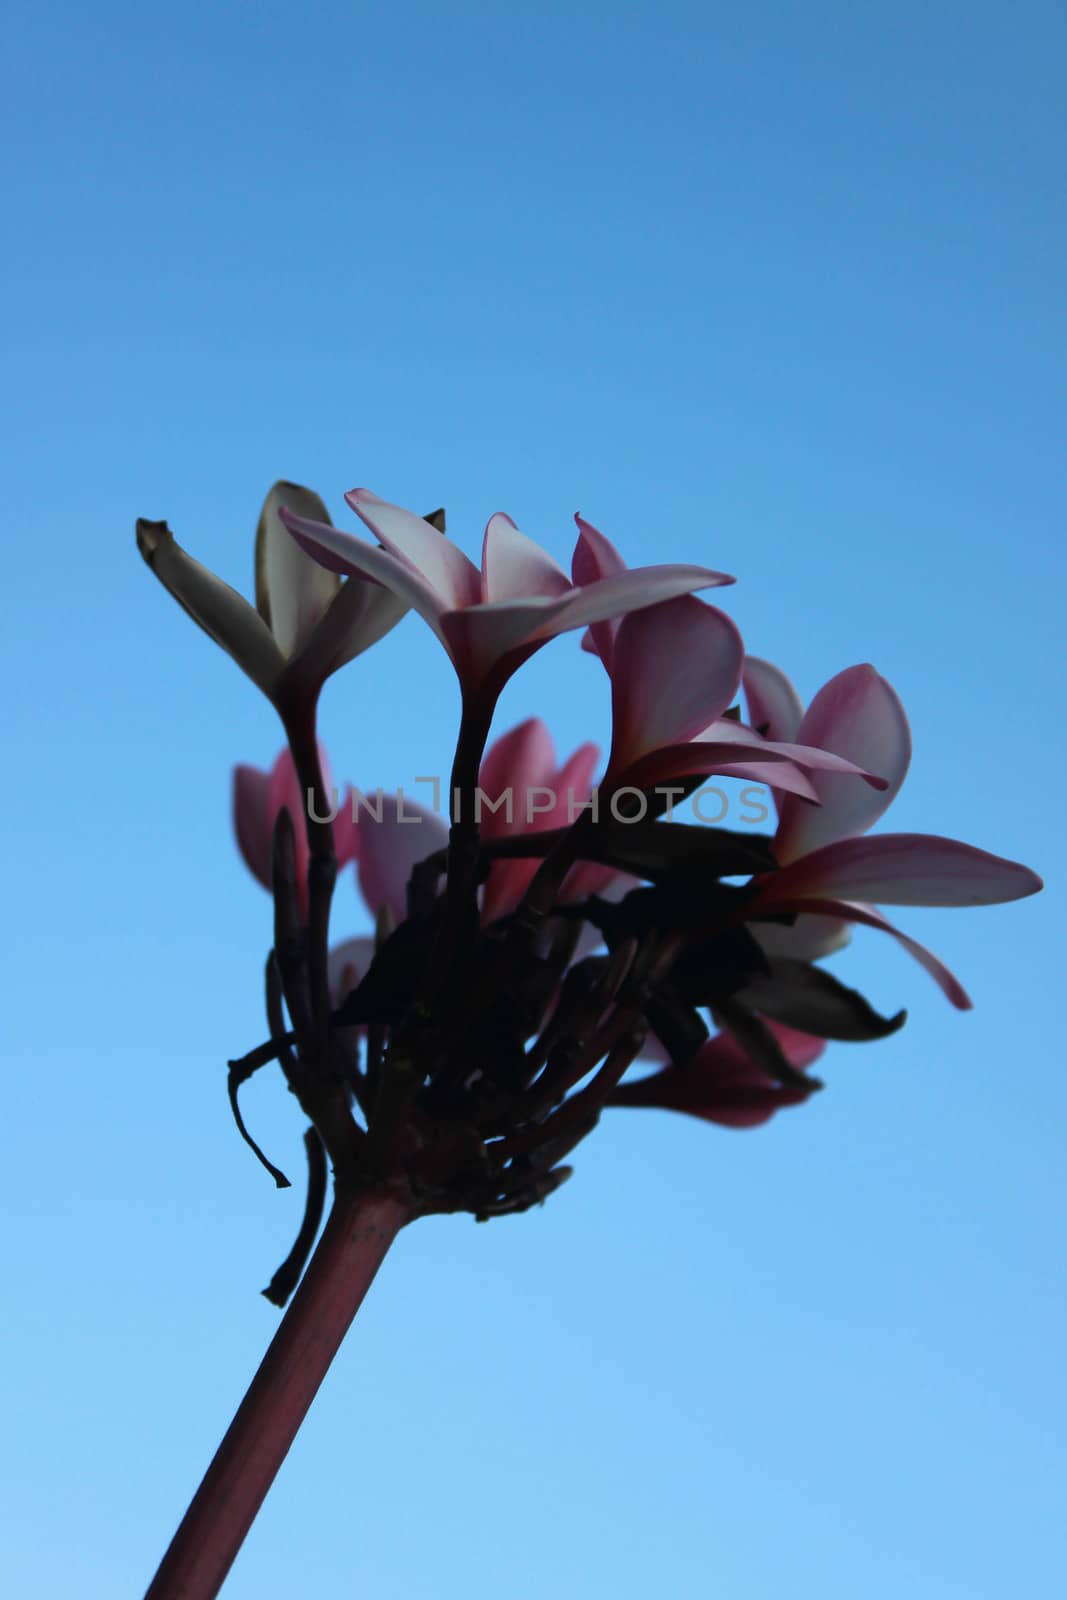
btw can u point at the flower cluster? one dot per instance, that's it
(525, 957)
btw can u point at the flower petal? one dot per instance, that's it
(903, 869)
(292, 590)
(676, 669)
(596, 557)
(626, 592)
(521, 759)
(222, 613)
(284, 790)
(252, 823)
(774, 707)
(390, 849)
(342, 552)
(362, 613)
(346, 966)
(562, 792)
(723, 1084)
(732, 759)
(514, 567)
(493, 640)
(811, 758)
(809, 938)
(859, 716)
(871, 917)
(452, 576)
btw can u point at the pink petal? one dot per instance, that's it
(514, 567)
(561, 794)
(596, 557)
(252, 822)
(571, 786)
(856, 715)
(731, 758)
(574, 783)
(389, 850)
(494, 639)
(812, 758)
(454, 579)
(676, 668)
(519, 760)
(774, 707)
(904, 869)
(260, 796)
(624, 592)
(722, 1084)
(284, 791)
(769, 773)
(729, 749)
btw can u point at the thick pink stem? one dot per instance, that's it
(357, 1235)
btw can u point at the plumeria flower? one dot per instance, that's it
(828, 868)
(523, 763)
(675, 669)
(305, 623)
(490, 620)
(395, 834)
(258, 797)
(522, 789)
(723, 1084)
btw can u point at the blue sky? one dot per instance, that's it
(775, 288)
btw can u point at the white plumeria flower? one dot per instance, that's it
(306, 622)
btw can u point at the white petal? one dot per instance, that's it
(292, 591)
(222, 613)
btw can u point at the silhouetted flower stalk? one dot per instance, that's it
(522, 963)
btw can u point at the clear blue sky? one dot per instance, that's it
(778, 288)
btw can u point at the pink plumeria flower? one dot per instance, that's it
(395, 835)
(522, 790)
(490, 620)
(723, 1084)
(305, 623)
(258, 797)
(675, 668)
(828, 868)
(522, 763)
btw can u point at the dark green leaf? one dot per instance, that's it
(806, 997)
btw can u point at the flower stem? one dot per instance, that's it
(361, 1227)
(322, 865)
(461, 885)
